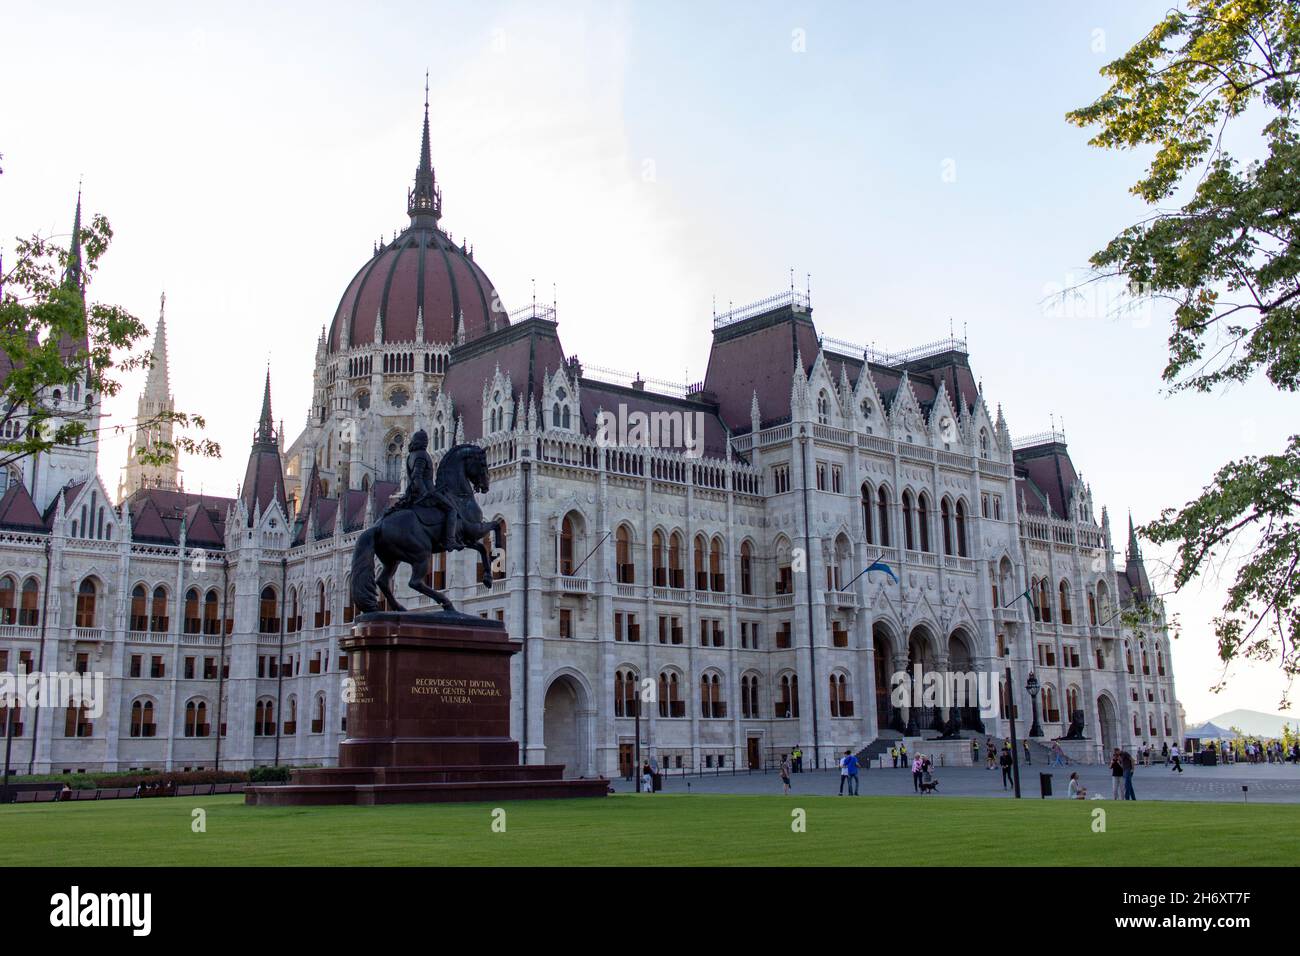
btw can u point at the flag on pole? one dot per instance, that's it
(1026, 596)
(882, 566)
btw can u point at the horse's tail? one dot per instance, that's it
(364, 593)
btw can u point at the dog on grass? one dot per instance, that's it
(930, 787)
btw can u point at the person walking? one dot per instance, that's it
(990, 754)
(1116, 774)
(851, 770)
(647, 778)
(1029, 760)
(918, 768)
(975, 752)
(1129, 765)
(1174, 756)
(1005, 761)
(785, 773)
(1164, 753)
(844, 771)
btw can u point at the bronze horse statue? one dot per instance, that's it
(416, 528)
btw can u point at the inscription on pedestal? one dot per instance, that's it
(455, 690)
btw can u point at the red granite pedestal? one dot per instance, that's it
(428, 721)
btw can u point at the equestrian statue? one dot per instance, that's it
(436, 513)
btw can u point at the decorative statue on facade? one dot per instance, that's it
(1076, 726)
(436, 513)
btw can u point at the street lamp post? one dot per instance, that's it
(1011, 716)
(1031, 685)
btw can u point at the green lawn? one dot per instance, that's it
(663, 829)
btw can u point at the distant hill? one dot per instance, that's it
(1256, 723)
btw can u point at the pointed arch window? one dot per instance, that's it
(211, 614)
(139, 609)
(882, 516)
(746, 568)
(923, 520)
(961, 530)
(945, 518)
(823, 408)
(268, 613)
(566, 546)
(623, 547)
(193, 623)
(866, 513)
(908, 541)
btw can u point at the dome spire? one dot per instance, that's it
(424, 201)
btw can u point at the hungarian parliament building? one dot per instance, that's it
(705, 590)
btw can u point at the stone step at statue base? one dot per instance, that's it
(372, 786)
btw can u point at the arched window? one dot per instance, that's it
(882, 515)
(158, 619)
(908, 542)
(623, 547)
(1051, 712)
(211, 613)
(566, 546)
(945, 517)
(498, 555)
(866, 513)
(1092, 609)
(264, 721)
(923, 519)
(318, 715)
(1044, 602)
(841, 699)
(984, 443)
(29, 614)
(196, 719)
(626, 699)
(676, 573)
(717, 577)
(746, 568)
(142, 723)
(788, 704)
(292, 623)
(291, 719)
(76, 721)
(139, 608)
(86, 598)
(823, 408)
(395, 457)
(193, 623)
(659, 559)
(711, 703)
(1071, 701)
(1067, 616)
(268, 613)
(961, 529)
(322, 615)
(749, 696)
(8, 604)
(701, 563)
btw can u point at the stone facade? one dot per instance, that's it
(715, 586)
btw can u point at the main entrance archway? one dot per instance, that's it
(565, 716)
(1107, 725)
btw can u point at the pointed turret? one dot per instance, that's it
(264, 477)
(1134, 567)
(154, 427)
(424, 201)
(72, 273)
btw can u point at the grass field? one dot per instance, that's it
(696, 829)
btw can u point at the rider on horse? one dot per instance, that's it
(422, 494)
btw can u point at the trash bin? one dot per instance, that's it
(1045, 785)
(657, 781)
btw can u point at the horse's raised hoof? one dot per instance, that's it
(487, 581)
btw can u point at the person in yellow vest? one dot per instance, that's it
(797, 755)
(893, 755)
(902, 755)
(975, 752)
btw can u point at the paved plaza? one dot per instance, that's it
(1266, 783)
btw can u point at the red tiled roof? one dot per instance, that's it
(18, 511)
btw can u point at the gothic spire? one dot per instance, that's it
(424, 201)
(72, 273)
(157, 387)
(265, 425)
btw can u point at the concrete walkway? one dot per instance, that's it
(1267, 783)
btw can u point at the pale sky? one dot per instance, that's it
(643, 158)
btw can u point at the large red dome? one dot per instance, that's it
(422, 271)
(421, 274)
